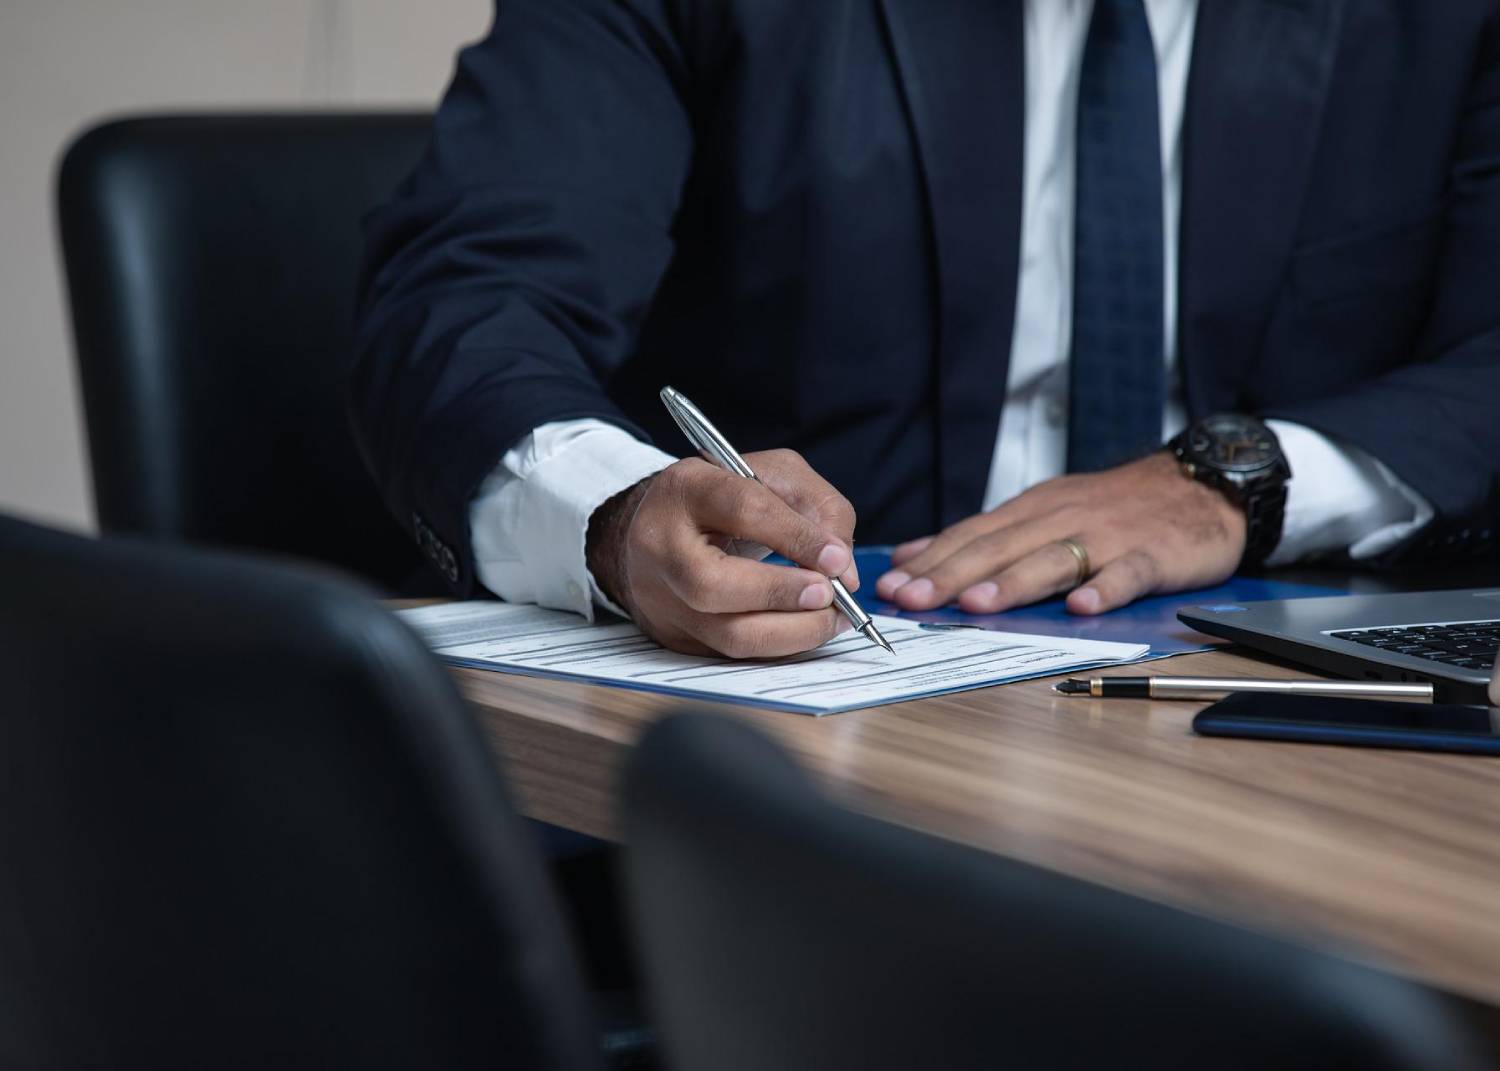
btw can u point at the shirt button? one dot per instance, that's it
(1055, 413)
(574, 591)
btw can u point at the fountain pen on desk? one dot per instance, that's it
(1212, 687)
(715, 448)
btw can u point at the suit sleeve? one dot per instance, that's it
(1436, 420)
(510, 274)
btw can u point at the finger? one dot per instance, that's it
(799, 485)
(1122, 581)
(1044, 572)
(938, 548)
(711, 582)
(850, 576)
(746, 509)
(1034, 504)
(977, 561)
(906, 551)
(768, 635)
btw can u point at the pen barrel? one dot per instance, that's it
(845, 602)
(1204, 687)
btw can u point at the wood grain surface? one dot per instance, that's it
(1386, 856)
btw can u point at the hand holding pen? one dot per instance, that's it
(657, 549)
(712, 446)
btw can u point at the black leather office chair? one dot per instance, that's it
(211, 263)
(246, 821)
(780, 931)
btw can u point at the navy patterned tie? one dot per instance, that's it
(1118, 379)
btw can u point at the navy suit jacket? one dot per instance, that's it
(806, 216)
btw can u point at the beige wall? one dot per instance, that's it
(66, 63)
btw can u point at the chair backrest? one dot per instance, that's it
(779, 930)
(212, 263)
(246, 821)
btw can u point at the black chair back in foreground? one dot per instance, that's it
(781, 931)
(246, 821)
(212, 263)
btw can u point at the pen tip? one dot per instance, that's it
(1071, 686)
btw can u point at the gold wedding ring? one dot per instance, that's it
(1081, 556)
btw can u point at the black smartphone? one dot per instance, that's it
(1359, 722)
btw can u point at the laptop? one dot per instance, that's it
(1448, 638)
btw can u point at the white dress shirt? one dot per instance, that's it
(530, 518)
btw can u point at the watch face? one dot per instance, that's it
(1232, 444)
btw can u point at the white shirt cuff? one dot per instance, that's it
(1341, 498)
(529, 521)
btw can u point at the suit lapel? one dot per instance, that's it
(963, 76)
(1260, 75)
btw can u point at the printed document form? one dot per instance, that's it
(844, 674)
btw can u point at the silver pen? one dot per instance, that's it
(1208, 687)
(715, 448)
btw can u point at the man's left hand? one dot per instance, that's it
(1145, 527)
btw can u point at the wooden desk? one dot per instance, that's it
(1393, 856)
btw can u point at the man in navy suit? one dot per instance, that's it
(970, 262)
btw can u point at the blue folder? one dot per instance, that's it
(1151, 620)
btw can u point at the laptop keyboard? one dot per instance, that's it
(1466, 644)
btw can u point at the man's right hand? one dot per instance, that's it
(658, 549)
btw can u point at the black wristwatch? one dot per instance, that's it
(1241, 457)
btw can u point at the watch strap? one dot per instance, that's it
(1265, 512)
